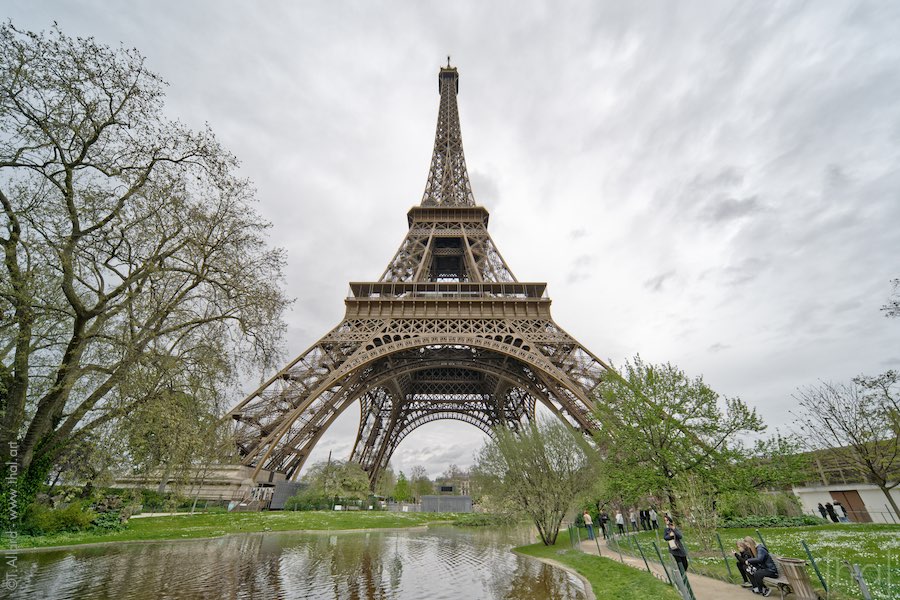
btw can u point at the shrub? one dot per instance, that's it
(753, 522)
(482, 520)
(109, 521)
(307, 500)
(758, 504)
(41, 520)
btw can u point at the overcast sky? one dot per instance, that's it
(713, 184)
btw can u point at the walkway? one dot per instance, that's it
(705, 588)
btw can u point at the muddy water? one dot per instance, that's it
(439, 563)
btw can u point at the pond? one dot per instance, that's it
(440, 562)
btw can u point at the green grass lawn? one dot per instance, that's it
(608, 578)
(219, 524)
(875, 548)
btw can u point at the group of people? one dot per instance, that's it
(649, 520)
(827, 511)
(753, 560)
(755, 563)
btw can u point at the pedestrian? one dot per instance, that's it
(676, 546)
(620, 522)
(632, 516)
(645, 520)
(830, 510)
(741, 556)
(760, 567)
(654, 518)
(589, 523)
(604, 520)
(843, 516)
(822, 511)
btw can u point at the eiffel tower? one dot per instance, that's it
(447, 332)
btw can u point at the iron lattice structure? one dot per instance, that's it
(447, 332)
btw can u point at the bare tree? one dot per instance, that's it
(858, 425)
(892, 308)
(133, 260)
(541, 470)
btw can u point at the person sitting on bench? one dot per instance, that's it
(762, 566)
(741, 556)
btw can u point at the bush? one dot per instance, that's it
(753, 522)
(41, 520)
(482, 520)
(109, 521)
(758, 504)
(307, 500)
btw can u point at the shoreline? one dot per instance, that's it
(67, 547)
(588, 588)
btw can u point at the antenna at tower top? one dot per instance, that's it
(448, 61)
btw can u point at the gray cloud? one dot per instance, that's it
(751, 150)
(655, 284)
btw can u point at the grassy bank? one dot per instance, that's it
(219, 524)
(875, 548)
(608, 578)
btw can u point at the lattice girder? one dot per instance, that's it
(304, 411)
(447, 332)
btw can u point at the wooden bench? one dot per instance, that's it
(792, 579)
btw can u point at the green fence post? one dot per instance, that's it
(662, 563)
(619, 550)
(815, 566)
(687, 583)
(761, 539)
(725, 558)
(641, 550)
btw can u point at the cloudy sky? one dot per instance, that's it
(714, 184)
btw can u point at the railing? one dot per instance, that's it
(447, 289)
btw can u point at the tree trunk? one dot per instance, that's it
(164, 479)
(890, 498)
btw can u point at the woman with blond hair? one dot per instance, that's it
(741, 556)
(761, 566)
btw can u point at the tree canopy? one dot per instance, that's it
(658, 424)
(541, 470)
(134, 261)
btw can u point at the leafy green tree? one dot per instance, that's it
(338, 479)
(384, 487)
(542, 470)
(134, 264)
(402, 491)
(658, 424)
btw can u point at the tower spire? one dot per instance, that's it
(448, 180)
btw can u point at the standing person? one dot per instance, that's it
(830, 510)
(633, 518)
(844, 518)
(764, 565)
(654, 518)
(676, 546)
(822, 511)
(645, 520)
(620, 522)
(741, 556)
(589, 523)
(604, 519)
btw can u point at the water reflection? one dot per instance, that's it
(434, 564)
